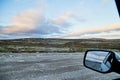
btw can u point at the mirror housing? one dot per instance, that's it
(99, 60)
(118, 6)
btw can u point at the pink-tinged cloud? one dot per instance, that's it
(24, 22)
(107, 35)
(94, 31)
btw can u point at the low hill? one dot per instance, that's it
(57, 45)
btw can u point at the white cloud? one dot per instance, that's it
(63, 18)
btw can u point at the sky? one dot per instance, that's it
(66, 19)
(96, 56)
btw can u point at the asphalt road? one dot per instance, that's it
(48, 66)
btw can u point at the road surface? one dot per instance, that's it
(48, 66)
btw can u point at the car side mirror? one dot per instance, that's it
(118, 6)
(98, 60)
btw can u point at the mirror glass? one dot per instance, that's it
(98, 60)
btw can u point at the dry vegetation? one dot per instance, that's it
(58, 45)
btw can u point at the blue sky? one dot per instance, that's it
(59, 19)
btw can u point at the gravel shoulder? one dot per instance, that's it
(47, 66)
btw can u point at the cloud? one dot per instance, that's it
(114, 27)
(27, 20)
(45, 28)
(107, 35)
(66, 20)
(30, 22)
(24, 22)
(63, 18)
(102, 29)
(33, 22)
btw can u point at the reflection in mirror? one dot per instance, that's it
(98, 60)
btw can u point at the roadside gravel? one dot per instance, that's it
(47, 66)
